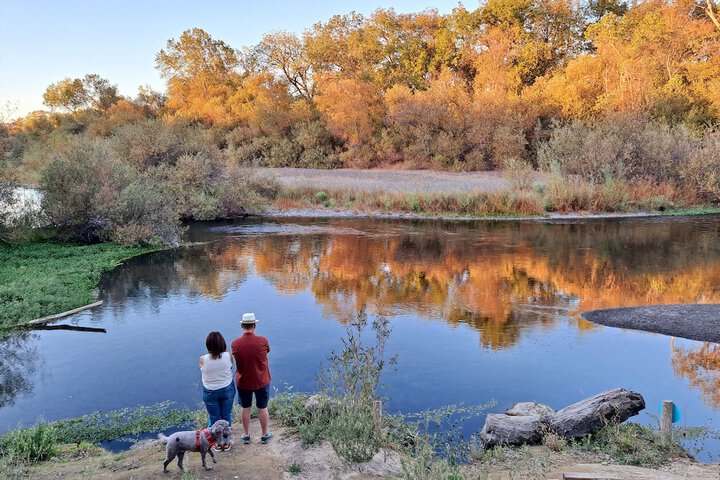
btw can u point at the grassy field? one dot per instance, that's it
(39, 279)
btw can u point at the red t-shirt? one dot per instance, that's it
(250, 352)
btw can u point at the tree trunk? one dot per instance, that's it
(590, 415)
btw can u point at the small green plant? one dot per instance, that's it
(295, 468)
(631, 444)
(321, 196)
(352, 377)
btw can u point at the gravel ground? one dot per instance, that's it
(389, 180)
(694, 321)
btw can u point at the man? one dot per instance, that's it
(252, 376)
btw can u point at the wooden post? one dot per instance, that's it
(666, 418)
(377, 414)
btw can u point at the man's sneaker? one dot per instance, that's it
(245, 439)
(266, 437)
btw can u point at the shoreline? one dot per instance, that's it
(309, 213)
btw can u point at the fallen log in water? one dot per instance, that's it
(527, 423)
(57, 316)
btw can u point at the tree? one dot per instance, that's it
(202, 75)
(196, 54)
(711, 10)
(350, 107)
(73, 94)
(284, 53)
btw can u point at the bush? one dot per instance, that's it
(702, 171)
(80, 186)
(632, 147)
(142, 215)
(353, 432)
(31, 444)
(153, 142)
(519, 173)
(90, 196)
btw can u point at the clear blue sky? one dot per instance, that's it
(43, 41)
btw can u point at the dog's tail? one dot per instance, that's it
(162, 438)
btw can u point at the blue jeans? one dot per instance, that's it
(219, 403)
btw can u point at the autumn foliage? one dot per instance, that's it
(539, 82)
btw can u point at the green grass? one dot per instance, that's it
(631, 444)
(40, 279)
(694, 211)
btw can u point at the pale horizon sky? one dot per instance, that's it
(44, 41)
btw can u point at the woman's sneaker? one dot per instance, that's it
(266, 437)
(245, 439)
(218, 447)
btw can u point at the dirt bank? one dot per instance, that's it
(693, 321)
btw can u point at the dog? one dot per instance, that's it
(194, 441)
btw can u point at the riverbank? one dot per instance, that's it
(38, 279)
(287, 456)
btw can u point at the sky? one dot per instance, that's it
(44, 41)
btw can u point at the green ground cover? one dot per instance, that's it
(40, 278)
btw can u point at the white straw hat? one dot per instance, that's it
(248, 319)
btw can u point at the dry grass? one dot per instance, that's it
(475, 204)
(560, 194)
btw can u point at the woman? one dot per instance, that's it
(218, 386)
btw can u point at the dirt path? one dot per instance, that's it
(388, 180)
(243, 462)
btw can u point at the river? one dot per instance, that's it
(479, 311)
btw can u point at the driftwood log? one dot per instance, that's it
(590, 415)
(527, 423)
(503, 429)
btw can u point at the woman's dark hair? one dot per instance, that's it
(215, 344)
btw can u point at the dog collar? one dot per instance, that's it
(208, 437)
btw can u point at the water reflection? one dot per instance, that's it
(500, 300)
(18, 362)
(701, 366)
(496, 278)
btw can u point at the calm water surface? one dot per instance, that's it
(479, 312)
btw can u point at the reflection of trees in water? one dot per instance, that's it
(209, 270)
(18, 363)
(702, 369)
(502, 277)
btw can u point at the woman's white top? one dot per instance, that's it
(216, 372)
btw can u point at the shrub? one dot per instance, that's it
(153, 142)
(622, 146)
(243, 192)
(80, 186)
(353, 432)
(519, 173)
(31, 444)
(702, 171)
(142, 215)
(91, 196)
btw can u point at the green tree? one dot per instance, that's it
(89, 92)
